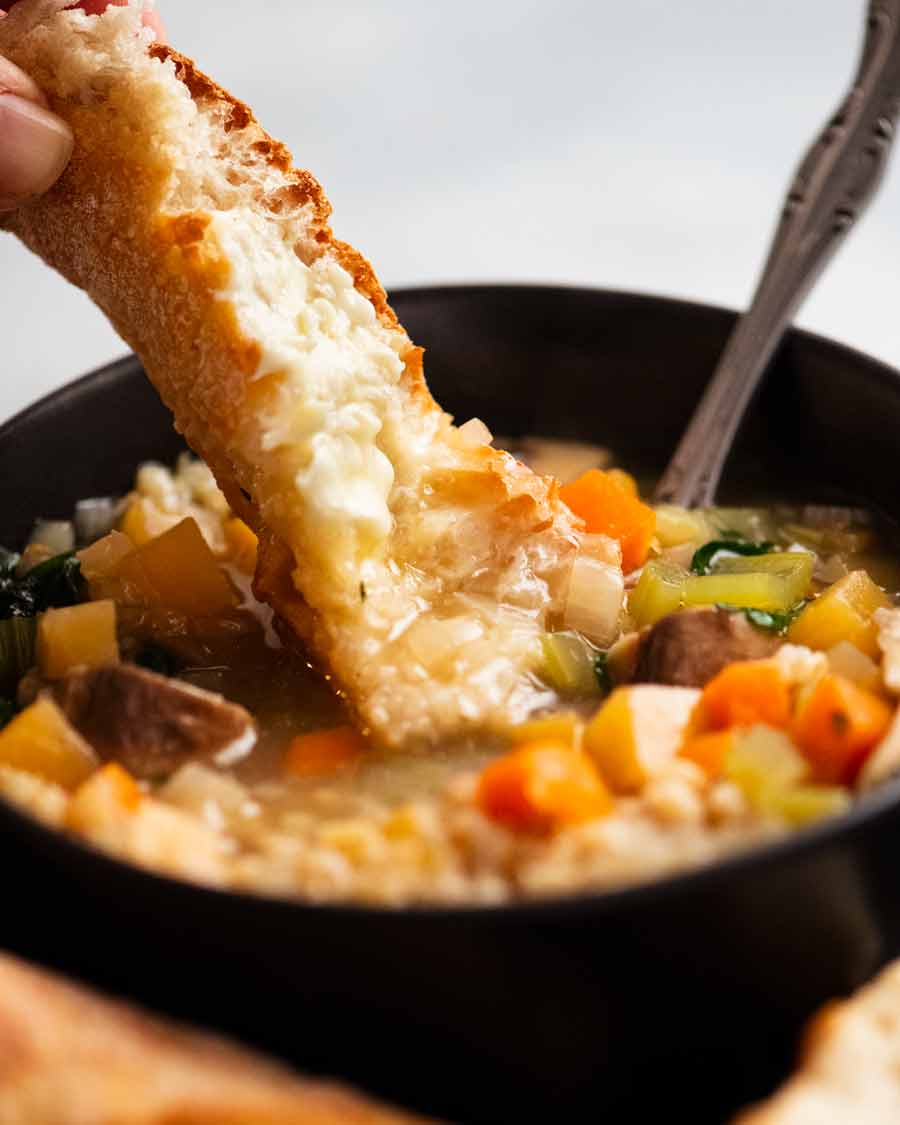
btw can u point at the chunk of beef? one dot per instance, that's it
(149, 723)
(688, 648)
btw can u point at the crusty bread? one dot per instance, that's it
(405, 551)
(69, 1057)
(849, 1073)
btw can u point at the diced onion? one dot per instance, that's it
(95, 518)
(594, 599)
(58, 536)
(475, 432)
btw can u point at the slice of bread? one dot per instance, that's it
(418, 563)
(850, 1070)
(70, 1057)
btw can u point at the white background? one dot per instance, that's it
(642, 144)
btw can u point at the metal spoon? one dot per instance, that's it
(831, 188)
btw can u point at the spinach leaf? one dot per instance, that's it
(704, 556)
(771, 621)
(604, 679)
(55, 582)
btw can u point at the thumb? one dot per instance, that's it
(35, 145)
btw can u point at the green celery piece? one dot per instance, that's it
(568, 664)
(17, 644)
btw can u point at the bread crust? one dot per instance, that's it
(71, 1057)
(154, 267)
(849, 1067)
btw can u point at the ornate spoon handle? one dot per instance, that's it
(831, 188)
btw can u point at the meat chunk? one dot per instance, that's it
(688, 648)
(149, 723)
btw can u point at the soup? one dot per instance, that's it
(734, 685)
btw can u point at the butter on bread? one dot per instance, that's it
(849, 1073)
(70, 1057)
(418, 563)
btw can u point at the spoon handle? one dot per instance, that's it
(830, 190)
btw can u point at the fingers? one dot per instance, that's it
(35, 147)
(15, 81)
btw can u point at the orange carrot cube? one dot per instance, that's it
(324, 751)
(837, 725)
(608, 507)
(541, 787)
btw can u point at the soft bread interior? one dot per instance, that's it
(406, 551)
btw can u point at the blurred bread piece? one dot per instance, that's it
(70, 1057)
(849, 1072)
(419, 563)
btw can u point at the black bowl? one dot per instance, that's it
(682, 996)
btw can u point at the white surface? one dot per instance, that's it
(641, 144)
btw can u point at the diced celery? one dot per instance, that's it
(568, 664)
(675, 526)
(794, 568)
(805, 804)
(750, 591)
(763, 762)
(659, 591)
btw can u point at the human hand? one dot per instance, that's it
(35, 144)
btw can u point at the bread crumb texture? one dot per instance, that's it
(418, 565)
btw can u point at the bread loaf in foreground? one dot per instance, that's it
(69, 1057)
(418, 563)
(849, 1073)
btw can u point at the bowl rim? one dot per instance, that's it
(867, 810)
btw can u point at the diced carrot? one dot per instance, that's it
(324, 751)
(837, 725)
(742, 694)
(542, 786)
(608, 507)
(122, 784)
(709, 751)
(624, 480)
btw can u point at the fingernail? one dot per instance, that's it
(35, 148)
(15, 81)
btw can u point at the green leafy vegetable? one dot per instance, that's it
(704, 556)
(770, 621)
(17, 640)
(55, 582)
(601, 671)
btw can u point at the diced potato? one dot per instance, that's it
(110, 793)
(659, 591)
(844, 612)
(565, 726)
(675, 526)
(764, 764)
(884, 761)
(887, 624)
(179, 571)
(845, 659)
(102, 557)
(568, 664)
(637, 731)
(242, 544)
(144, 520)
(77, 635)
(41, 741)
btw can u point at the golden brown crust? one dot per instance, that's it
(70, 1057)
(137, 220)
(849, 1066)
